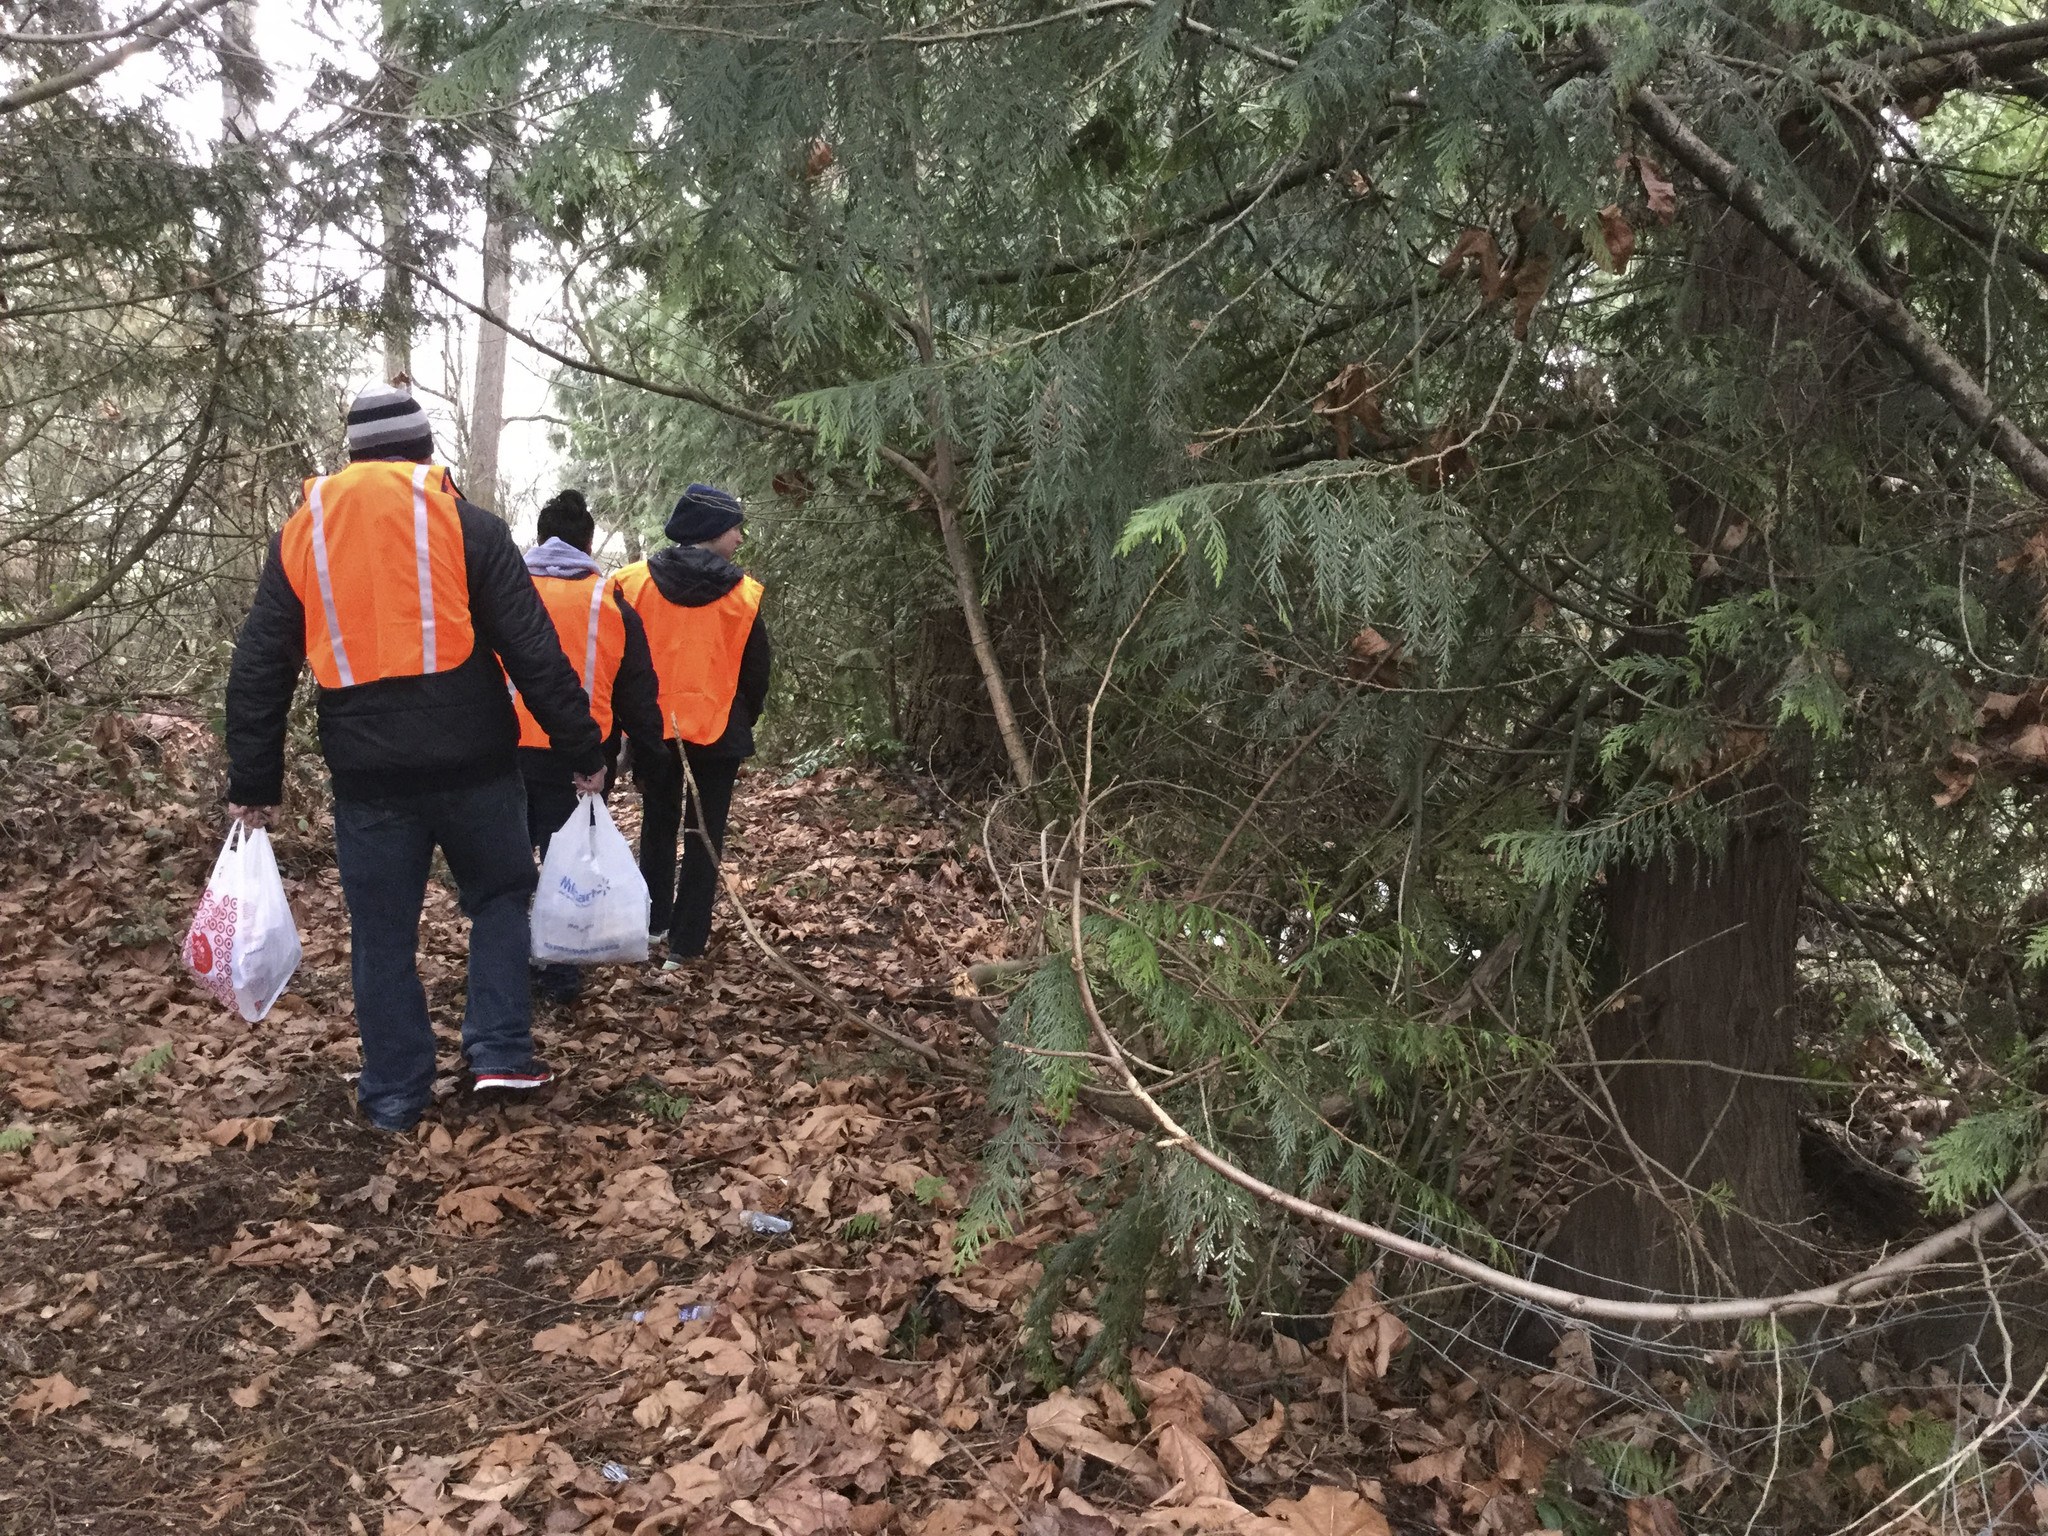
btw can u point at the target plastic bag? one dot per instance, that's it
(592, 903)
(244, 944)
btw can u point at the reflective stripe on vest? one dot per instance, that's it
(600, 627)
(344, 545)
(696, 652)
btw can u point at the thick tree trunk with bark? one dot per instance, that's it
(487, 408)
(1706, 1161)
(1699, 1147)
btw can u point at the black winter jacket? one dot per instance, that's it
(636, 710)
(410, 735)
(691, 576)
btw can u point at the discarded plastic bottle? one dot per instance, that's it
(695, 1312)
(614, 1473)
(766, 1225)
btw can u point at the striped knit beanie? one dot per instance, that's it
(387, 423)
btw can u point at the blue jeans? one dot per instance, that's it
(384, 849)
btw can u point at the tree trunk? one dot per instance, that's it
(487, 409)
(394, 94)
(1702, 1161)
(1705, 1162)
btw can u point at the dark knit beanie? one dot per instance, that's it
(702, 513)
(387, 423)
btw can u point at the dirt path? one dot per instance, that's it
(229, 1305)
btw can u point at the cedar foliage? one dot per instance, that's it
(1372, 337)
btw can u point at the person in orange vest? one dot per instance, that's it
(404, 600)
(703, 618)
(607, 645)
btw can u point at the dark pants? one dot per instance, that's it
(550, 798)
(681, 902)
(384, 849)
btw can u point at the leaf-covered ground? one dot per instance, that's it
(227, 1304)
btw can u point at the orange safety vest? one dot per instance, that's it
(370, 612)
(593, 636)
(696, 652)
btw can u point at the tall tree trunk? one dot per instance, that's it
(398, 311)
(1702, 1160)
(240, 495)
(487, 407)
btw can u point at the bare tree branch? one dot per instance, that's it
(92, 69)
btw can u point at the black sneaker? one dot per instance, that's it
(536, 1074)
(558, 983)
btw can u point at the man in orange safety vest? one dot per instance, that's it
(607, 645)
(703, 618)
(404, 601)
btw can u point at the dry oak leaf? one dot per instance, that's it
(303, 1319)
(1060, 1423)
(1653, 1517)
(420, 1278)
(1175, 1396)
(1071, 1516)
(503, 1469)
(1195, 1471)
(253, 1130)
(672, 1400)
(1446, 1467)
(610, 1281)
(251, 1396)
(967, 1517)
(1364, 1335)
(798, 1508)
(718, 1357)
(1253, 1443)
(923, 1451)
(1327, 1511)
(50, 1394)
(696, 1481)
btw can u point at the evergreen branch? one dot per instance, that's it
(148, 37)
(150, 536)
(1237, 203)
(1886, 317)
(1853, 1291)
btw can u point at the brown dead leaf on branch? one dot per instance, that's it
(1475, 248)
(2012, 739)
(1351, 397)
(1658, 192)
(1618, 237)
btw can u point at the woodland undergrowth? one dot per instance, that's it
(229, 1305)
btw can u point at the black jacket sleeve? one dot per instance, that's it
(510, 619)
(636, 697)
(269, 654)
(756, 663)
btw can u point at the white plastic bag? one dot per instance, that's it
(244, 945)
(592, 903)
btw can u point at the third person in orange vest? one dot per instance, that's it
(607, 645)
(703, 619)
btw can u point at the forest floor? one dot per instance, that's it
(228, 1304)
